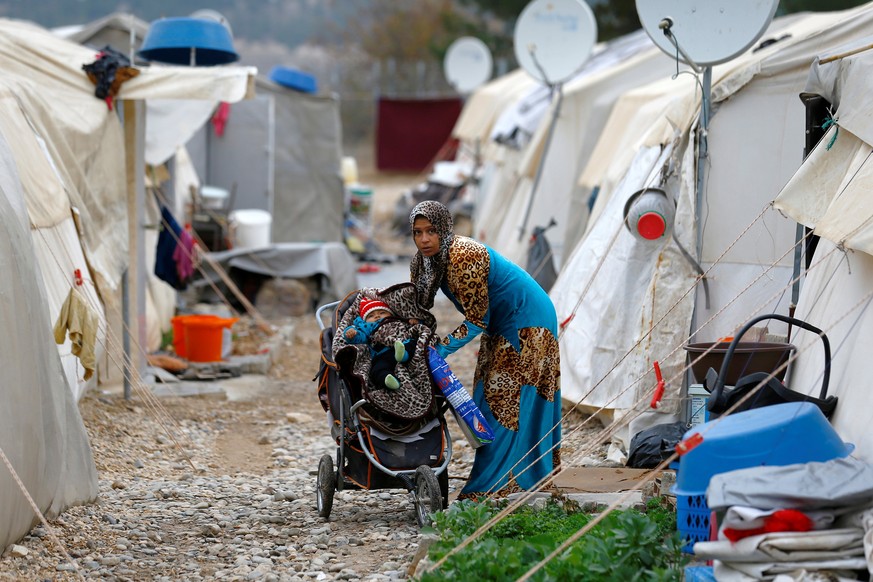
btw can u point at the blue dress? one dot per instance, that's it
(517, 379)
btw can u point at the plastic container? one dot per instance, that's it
(698, 398)
(250, 228)
(693, 519)
(214, 198)
(781, 434)
(776, 435)
(294, 79)
(204, 336)
(649, 214)
(748, 357)
(361, 201)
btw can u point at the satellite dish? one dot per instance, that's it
(215, 15)
(708, 32)
(467, 64)
(554, 38)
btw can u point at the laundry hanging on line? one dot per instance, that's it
(174, 257)
(79, 320)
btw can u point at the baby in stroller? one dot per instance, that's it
(397, 346)
(386, 437)
(365, 329)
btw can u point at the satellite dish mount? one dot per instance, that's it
(552, 40)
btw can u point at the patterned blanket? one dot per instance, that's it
(414, 399)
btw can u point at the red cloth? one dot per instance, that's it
(781, 520)
(219, 118)
(411, 132)
(183, 255)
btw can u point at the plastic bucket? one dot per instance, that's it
(203, 336)
(251, 228)
(179, 334)
(214, 198)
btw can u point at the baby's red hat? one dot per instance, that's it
(368, 305)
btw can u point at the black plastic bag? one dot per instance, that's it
(651, 446)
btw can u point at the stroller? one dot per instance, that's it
(377, 448)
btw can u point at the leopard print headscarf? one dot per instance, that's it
(428, 272)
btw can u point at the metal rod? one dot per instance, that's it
(521, 229)
(125, 316)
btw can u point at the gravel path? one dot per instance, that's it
(216, 488)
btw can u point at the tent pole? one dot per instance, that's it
(533, 190)
(702, 153)
(134, 166)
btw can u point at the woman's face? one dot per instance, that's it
(425, 236)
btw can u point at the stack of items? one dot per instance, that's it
(777, 435)
(802, 522)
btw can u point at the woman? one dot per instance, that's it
(517, 384)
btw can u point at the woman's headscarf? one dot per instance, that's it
(428, 272)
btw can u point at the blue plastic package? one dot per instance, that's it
(459, 399)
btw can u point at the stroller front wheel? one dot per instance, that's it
(427, 495)
(325, 486)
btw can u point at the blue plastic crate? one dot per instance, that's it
(699, 574)
(692, 520)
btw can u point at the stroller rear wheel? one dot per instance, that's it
(325, 486)
(427, 495)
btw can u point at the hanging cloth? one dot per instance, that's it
(166, 268)
(80, 320)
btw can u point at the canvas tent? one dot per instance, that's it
(280, 151)
(522, 129)
(41, 432)
(63, 176)
(625, 303)
(830, 194)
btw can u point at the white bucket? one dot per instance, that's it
(250, 228)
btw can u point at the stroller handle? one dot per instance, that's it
(321, 310)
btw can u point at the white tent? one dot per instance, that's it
(63, 176)
(41, 432)
(830, 193)
(588, 98)
(627, 304)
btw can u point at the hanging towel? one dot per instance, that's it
(165, 265)
(184, 257)
(80, 320)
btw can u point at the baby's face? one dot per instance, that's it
(376, 315)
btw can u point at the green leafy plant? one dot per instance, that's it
(628, 545)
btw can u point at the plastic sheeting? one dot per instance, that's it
(840, 483)
(634, 288)
(294, 261)
(41, 431)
